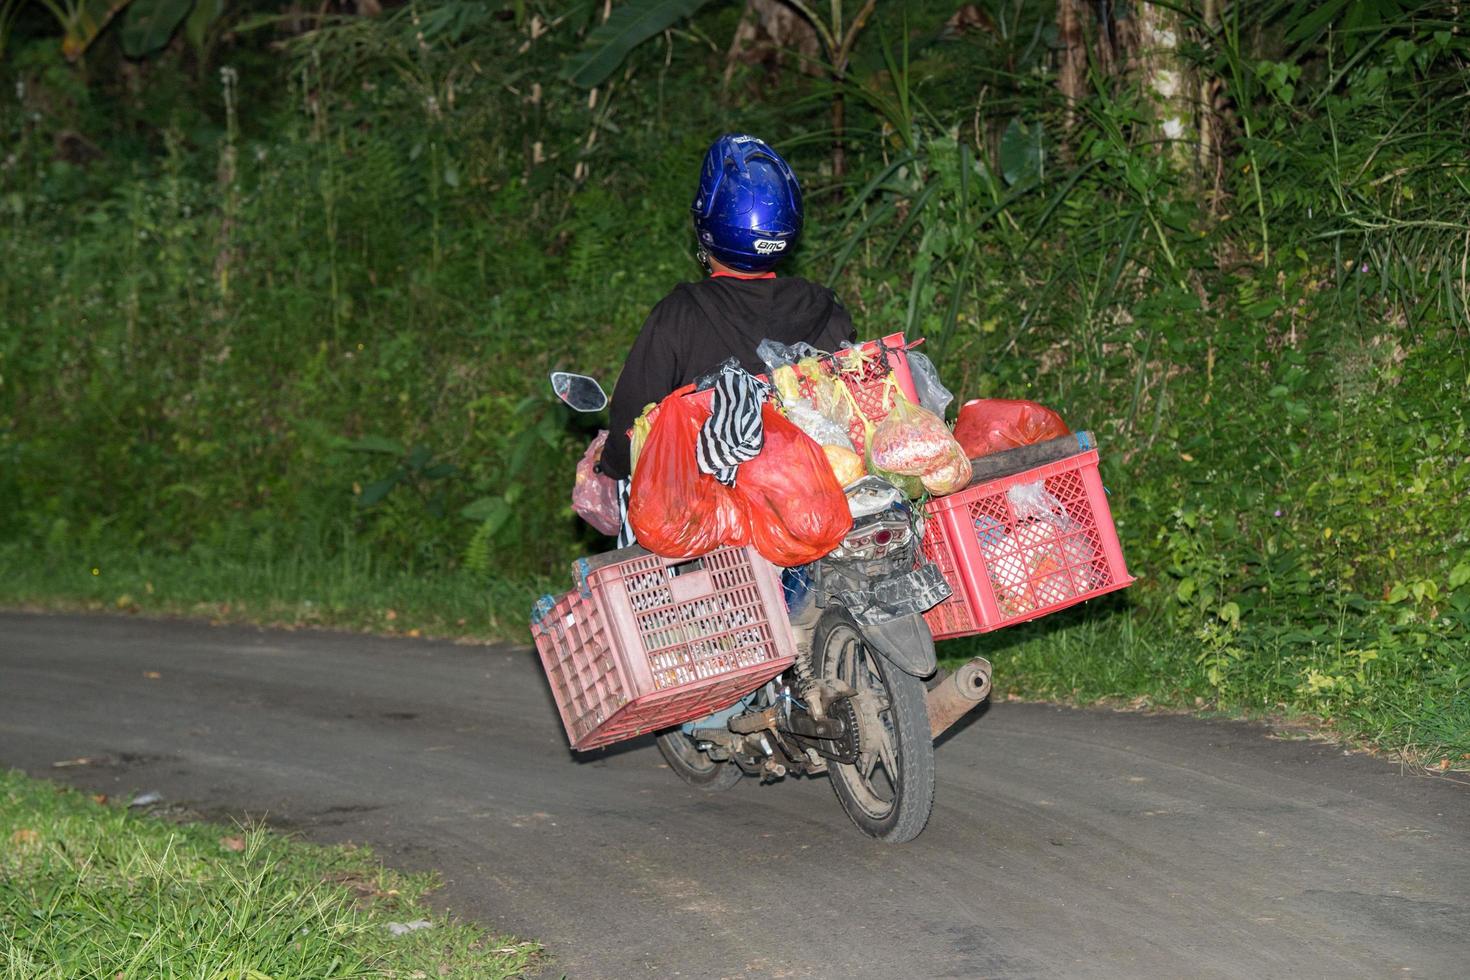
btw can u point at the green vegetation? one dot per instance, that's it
(277, 309)
(89, 889)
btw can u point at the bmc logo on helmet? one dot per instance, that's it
(765, 246)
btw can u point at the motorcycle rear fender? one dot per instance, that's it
(904, 642)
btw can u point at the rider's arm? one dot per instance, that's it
(651, 371)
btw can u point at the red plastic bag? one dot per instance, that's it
(988, 425)
(786, 501)
(795, 507)
(675, 510)
(595, 495)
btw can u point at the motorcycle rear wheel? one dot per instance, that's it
(889, 792)
(694, 766)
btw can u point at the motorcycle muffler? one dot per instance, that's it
(955, 695)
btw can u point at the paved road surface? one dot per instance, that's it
(1063, 843)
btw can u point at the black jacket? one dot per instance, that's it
(700, 324)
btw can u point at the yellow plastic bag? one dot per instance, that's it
(641, 427)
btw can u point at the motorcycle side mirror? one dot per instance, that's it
(581, 393)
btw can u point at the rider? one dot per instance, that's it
(747, 218)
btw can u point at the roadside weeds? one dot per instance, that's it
(93, 887)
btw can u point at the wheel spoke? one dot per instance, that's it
(887, 707)
(890, 764)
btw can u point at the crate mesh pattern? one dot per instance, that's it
(649, 643)
(1006, 567)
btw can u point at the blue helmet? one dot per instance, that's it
(747, 210)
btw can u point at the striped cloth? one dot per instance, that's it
(626, 537)
(733, 433)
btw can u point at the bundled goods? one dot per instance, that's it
(786, 501)
(989, 425)
(915, 442)
(675, 509)
(846, 465)
(594, 494)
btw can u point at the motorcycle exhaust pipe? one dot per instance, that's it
(955, 695)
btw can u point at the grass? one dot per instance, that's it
(349, 591)
(1409, 699)
(92, 889)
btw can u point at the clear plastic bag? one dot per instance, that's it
(822, 430)
(1032, 501)
(950, 475)
(910, 440)
(932, 393)
(594, 494)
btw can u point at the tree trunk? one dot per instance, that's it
(1072, 70)
(1151, 39)
(768, 31)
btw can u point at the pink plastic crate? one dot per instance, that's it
(648, 642)
(1006, 570)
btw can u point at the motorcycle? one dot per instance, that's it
(864, 700)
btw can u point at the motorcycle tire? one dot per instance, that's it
(892, 800)
(695, 767)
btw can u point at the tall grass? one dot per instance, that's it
(289, 345)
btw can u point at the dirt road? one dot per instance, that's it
(1063, 842)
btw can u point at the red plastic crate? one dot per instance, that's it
(1006, 570)
(648, 642)
(868, 385)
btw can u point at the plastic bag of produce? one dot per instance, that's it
(950, 475)
(638, 435)
(675, 510)
(821, 429)
(595, 495)
(793, 504)
(846, 465)
(910, 440)
(786, 500)
(910, 486)
(932, 393)
(988, 425)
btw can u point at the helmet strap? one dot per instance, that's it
(703, 256)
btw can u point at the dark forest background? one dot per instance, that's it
(280, 286)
